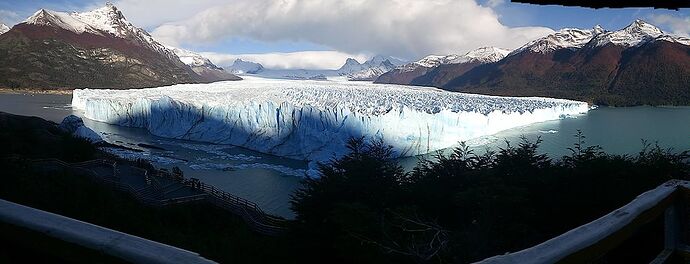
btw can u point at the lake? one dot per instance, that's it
(269, 180)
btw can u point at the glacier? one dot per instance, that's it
(312, 120)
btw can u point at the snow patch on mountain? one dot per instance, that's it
(192, 58)
(675, 39)
(486, 55)
(3, 28)
(314, 119)
(62, 20)
(436, 60)
(202, 66)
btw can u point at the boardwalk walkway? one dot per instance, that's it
(163, 188)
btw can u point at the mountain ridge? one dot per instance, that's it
(432, 69)
(95, 49)
(636, 65)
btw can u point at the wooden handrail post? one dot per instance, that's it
(673, 225)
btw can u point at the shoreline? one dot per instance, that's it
(35, 91)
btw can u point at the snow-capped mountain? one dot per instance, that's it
(203, 66)
(639, 64)
(637, 33)
(240, 66)
(378, 59)
(371, 73)
(407, 73)
(99, 48)
(4, 28)
(370, 69)
(480, 55)
(567, 38)
(351, 65)
(101, 21)
(632, 35)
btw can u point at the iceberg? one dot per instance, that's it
(312, 120)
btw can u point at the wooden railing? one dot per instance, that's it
(590, 242)
(259, 220)
(113, 182)
(103, 240)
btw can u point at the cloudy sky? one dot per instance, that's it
(323, 33)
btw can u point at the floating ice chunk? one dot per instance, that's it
(75, 126)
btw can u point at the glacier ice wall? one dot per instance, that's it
(313, 119)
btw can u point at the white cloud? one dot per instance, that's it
(8, 17)
(404, 28)
(494, 3)
(153, 13)
(677, 25)
(288, 60)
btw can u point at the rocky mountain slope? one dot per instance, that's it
(636, 65)
(97, 49)
(437, 70)
(202, 66)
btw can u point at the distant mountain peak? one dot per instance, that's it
(378, 59)
(566, 38)
(636, 33)
(240, 66)
(109, 19)
(479, 55)
(351, 65)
